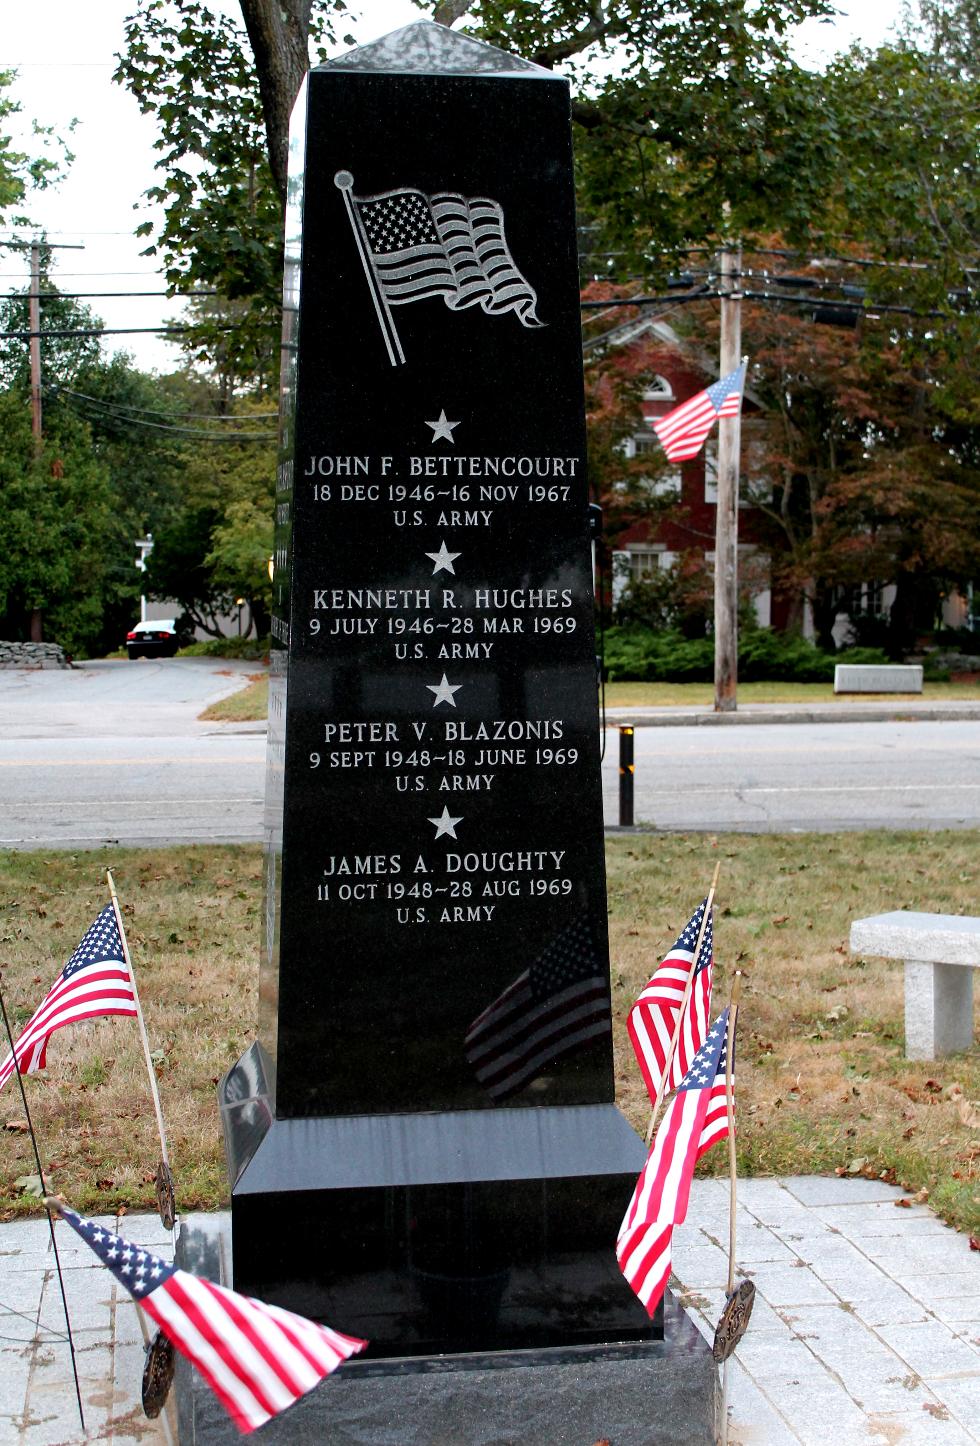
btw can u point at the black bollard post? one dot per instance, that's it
(625, 776)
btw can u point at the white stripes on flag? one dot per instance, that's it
(256, 1358)
(696, 1119)
(95, 989)
(683, 430)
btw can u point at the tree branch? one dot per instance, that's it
(599, 26)
(447, 12)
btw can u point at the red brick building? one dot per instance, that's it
(689, 525)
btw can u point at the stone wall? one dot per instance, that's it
(32, 655)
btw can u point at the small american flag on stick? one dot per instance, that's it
(258, 1359)
(560, 1002)
(653, 1018)
(95, 981)
(683, 430)
(696, 1119)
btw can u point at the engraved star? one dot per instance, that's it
(443, 428)
(444, 692)
(443, 559)
(445, 824)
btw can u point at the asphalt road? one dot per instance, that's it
(802, 776)
(113, 753)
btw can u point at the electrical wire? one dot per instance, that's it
(152, 412)
(107, 331)
(81, 295)
(268, 438)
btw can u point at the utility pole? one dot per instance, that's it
(34, 326)
(726, 519)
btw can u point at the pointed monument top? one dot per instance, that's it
(426, 48)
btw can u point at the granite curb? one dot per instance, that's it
(803, 713)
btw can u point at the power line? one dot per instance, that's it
(152, 412)
(108, 331)
(201, 436)
(82, 295)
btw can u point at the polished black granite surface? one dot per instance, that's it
(634, 1393)
(423, 1144)
(434, 787)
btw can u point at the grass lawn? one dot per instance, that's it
(823, 1084)
(694, 695)
(249, 705)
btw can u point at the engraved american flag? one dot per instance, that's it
(556, 1005)
(444, 245)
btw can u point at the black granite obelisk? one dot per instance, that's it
(423, 1143)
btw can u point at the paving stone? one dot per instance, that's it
(923, 1254)
(23, 1236)
(813, 1190)
(698, 1265)
(932, 1350)
(859, 1222)
(20, 1290)
(784, 1285)
(89, 1292)
(946, 1286)
(960, 1311)
(812, 1399)
(961, 1396)
(752, 1417)
(889, 1305)
(873, 1375)
(15, 1366)
(920, 1428)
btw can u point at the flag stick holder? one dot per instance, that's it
(344, 182)
(688, 987)
(165, 1186)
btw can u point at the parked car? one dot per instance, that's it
(157, 639)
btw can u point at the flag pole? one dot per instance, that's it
(662, 1088)
(165, 1186)
(344, 182)
(736, 994)
(47, 1208)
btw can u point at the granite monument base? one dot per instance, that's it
(637, 1393)
(439, 1233)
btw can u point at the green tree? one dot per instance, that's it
(20, 171)
(55, 518)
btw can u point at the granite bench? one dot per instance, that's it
(940, 953)
(878, 678)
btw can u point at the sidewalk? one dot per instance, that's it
(866, 1326)
(852, 710)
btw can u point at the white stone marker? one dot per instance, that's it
(940, 951)
(878, 678)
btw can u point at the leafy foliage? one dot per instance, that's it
(650, 657)
(21, 172)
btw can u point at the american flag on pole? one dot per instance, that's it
(696, 1119)
(652, 1020)
(559, 1003)
(258, 1359)
(683, 430)
(95, 981)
